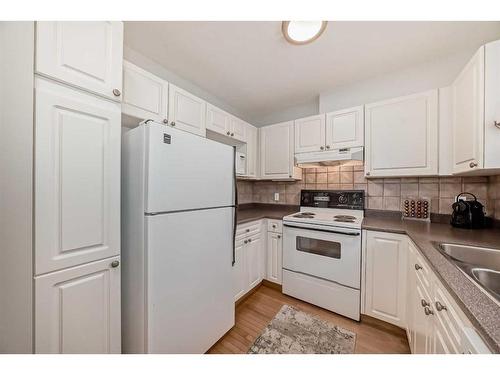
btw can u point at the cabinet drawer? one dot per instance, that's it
(248, 229)
(275, 226)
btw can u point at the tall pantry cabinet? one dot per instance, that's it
(76, 164)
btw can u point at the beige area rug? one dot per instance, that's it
(295, 332)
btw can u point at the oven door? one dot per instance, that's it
(333, 255)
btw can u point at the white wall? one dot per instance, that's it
(158, 70)
(434, 74)
(291, 113)
(16, 169)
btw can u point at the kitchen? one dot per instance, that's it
(155, 218)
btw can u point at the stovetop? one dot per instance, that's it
(327, 217)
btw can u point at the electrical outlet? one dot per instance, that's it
(276, 197)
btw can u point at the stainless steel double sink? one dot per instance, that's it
(481, 264)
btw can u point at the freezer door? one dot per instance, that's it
(185, 171)
(190, 290)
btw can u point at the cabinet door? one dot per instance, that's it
(410, 294)
(145, 96)
(386, 256)
(239, 275)
(253, 260)
(310, 134)
(252, 136)
(441, 342)
(274, 257)
(218, 120)
(77, 310)
(468, 115)
(411, 125)
(345, 128)
(186, 111)
(77, 177)
(238, 129)
(276, 142)
(85, 54)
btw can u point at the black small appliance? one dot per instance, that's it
(467, 214)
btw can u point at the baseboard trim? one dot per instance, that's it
(273, 285)
(370, 320)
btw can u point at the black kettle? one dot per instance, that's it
(467, 214)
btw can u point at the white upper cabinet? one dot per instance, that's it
(77, 310)
(145, 96)
(402, 136)
(252, 135)
(277, 152)
(310, 134)
(218, 120)
(476, 113)
(77, 177)
(238, 129)
(344, 129)
(186, 111)
(85, 54)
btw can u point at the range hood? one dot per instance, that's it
(329, 158)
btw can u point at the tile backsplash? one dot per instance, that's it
(381, 193)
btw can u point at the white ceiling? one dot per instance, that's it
(251, 67)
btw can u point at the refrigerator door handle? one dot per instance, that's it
(235, 221)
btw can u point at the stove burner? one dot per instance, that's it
(344, 217)
(308, 215)
(344, 220)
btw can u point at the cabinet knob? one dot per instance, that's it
(497, 124)
(327, 147)
(321, 148)
(279, 236)
(116, 92)
(115, 263)
(424, 303)
(165, 121)
(228, 133)
(472, 164)
(274, 225)
(418, 267)
(246, 241)
(440, 306)
(172, 123)
(428, 311)
(232, 134)
(367, 173)
(249, 240)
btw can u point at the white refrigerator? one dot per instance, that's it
(178, 227)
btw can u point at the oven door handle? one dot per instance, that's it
(324, 230)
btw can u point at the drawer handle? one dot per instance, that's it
(279, 236)
(418, 267)
(246, 241)
(274, 225)
(248, 230)
(424, 303)
(428, 311)
(115, 263)
(116, 92)
(440, 306)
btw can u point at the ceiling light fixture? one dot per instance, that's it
(302, 32)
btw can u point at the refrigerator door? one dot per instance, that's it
(190, 298)
(185, 171)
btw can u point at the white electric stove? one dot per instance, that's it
(322, 250)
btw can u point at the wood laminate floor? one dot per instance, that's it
(254, 313)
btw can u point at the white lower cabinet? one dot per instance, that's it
(274, 257)
(385, 258)
(401, 288)
(250, 262)
(77, 310)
